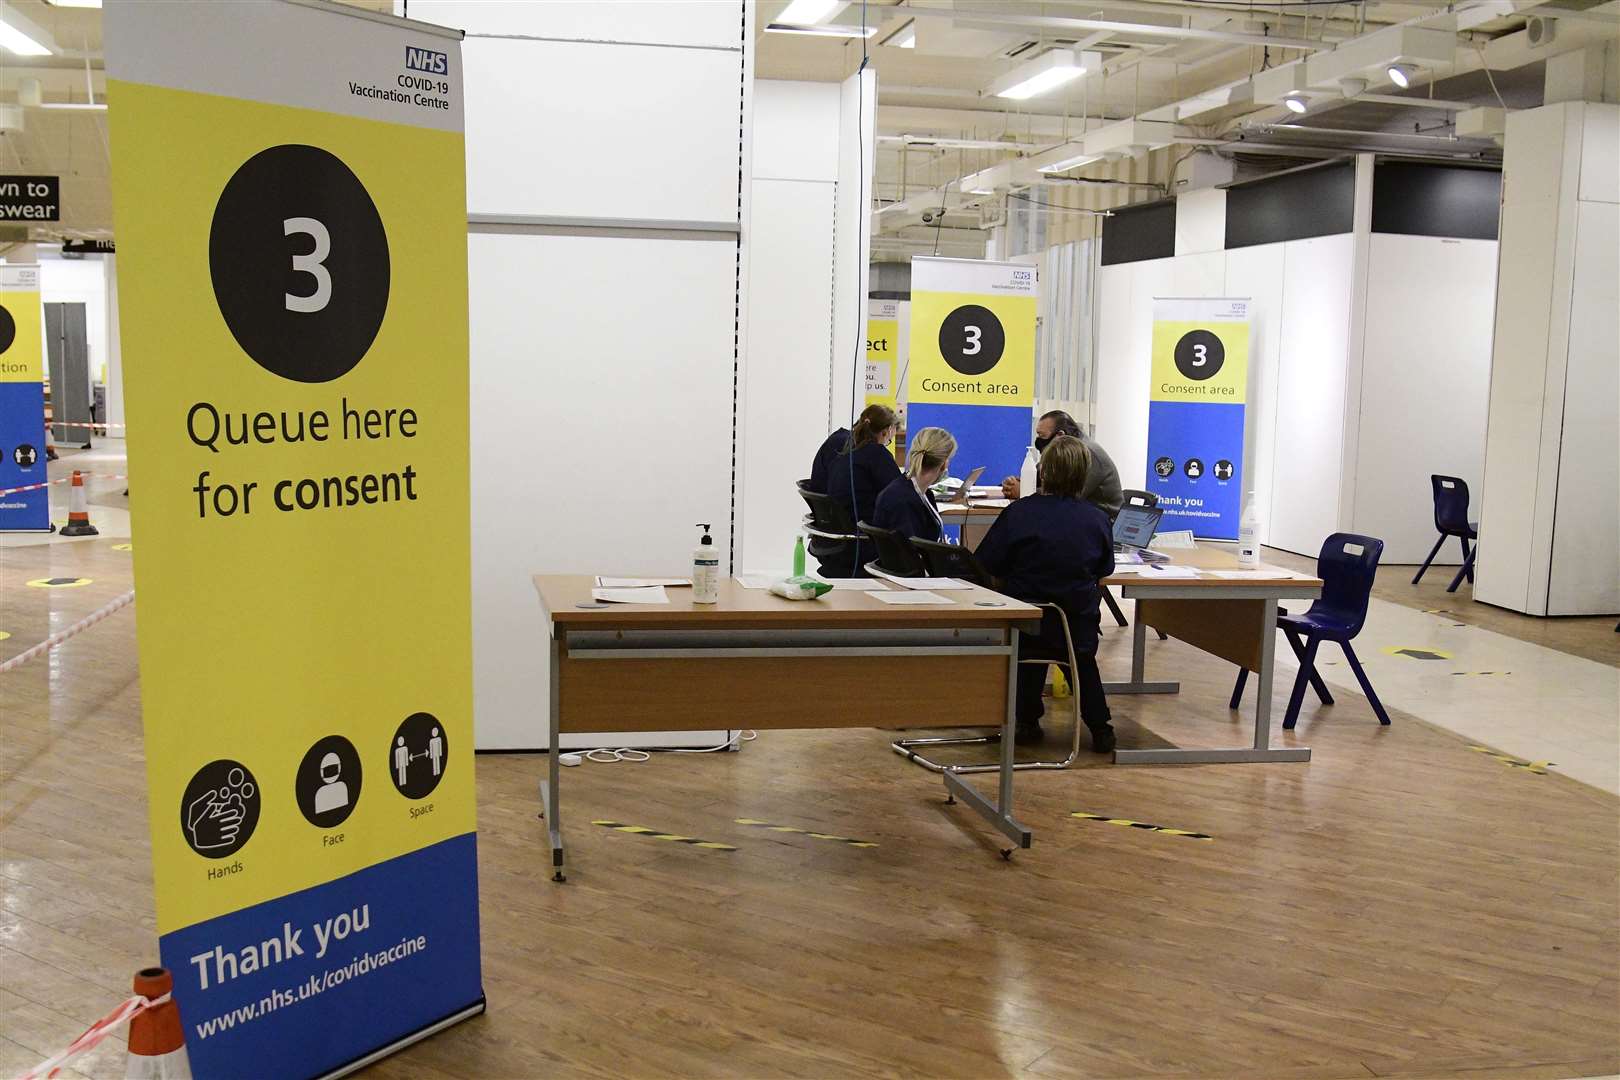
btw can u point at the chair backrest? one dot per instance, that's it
(829, 515)
(1450, 503)
(1140, 498)
(1347, 566)
(894, 552)
(803, 487)
(953, 561)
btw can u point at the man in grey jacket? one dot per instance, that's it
(1102, 482)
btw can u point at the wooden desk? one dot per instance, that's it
(758, 661)
(1233, 618)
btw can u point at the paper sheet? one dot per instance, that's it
(912, 597)
(1160, 570)
(1178, 538)
(1235, 575)
(638, 582)
(1129, 570)
(938, 584)
(856, 584)
(996, 502)
(758, 581)
(653, 595)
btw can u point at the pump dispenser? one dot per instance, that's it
(1027, 475)
(1249, 534)
(706, 570)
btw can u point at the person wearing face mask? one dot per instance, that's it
(907, 506)
(1102, 479)
(858, 475)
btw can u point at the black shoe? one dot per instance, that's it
(1025, 734)
(1102, 740)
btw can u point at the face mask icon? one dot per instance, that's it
(333, 793)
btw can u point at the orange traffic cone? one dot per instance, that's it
(157, 1042)
(78, 510)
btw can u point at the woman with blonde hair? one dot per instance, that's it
(906, 505)
(1053, 548)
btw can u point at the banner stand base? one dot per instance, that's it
(399, 1044)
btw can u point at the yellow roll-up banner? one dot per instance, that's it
(289, 195)
(882, 351)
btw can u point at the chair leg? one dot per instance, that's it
(1366, 687)
(1317, 684)
(1465, 570)
(1307, 668)
(1237, 689)
(1113, 606)
(1432, 553)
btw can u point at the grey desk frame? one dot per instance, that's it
(608, 645)
(1262, 750)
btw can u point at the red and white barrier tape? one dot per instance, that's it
(93, 1035)
(64, 480)
(82, 423)
(62, 635)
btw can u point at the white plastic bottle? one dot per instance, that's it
(1249, 534)
(706, 570)
(1027, 475)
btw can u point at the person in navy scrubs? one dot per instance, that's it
(867, 467)
(1053, 548)
(826, 454)
(907, 506)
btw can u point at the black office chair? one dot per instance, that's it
(834, 541)
(954, 561)
(894, 552)
(803, 486)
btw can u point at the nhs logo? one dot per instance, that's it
(434, 63)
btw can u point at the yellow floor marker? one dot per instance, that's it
(1537, 767)
(123, 547)
(1144, 826)
(1416, 653)
(803, 832)
(654, 834)
(58, 582)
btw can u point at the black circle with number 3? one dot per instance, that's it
(971, 339)
(299, 311)
(8, 329)
(1199, 355)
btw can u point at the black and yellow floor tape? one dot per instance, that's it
(1082, 815)
(804, 832)
(654, 834)
(1537, 767)
(1482, 672)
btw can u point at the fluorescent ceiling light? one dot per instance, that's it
(20, 37)
(1045, 73)
(833, 30)
(75, 3)
(1400, 75)
(810, 12)
(1296, 102)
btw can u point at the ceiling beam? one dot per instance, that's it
(996, 20)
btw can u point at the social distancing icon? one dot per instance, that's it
(418, 755)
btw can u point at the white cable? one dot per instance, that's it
(611, 754)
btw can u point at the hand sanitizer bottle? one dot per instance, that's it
(1027, 475)
(706, 570)
(1249, 534)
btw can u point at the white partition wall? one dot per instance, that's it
(606, 308)
(1549, 529)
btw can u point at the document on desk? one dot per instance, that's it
(639, 582)
(912, 597)
(938, 584)
(653, 594)
(856, 584)
(1152, 572)
(999, 504)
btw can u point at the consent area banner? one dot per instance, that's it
(288, 185)
(882, 351)
(1196, 413)
(972, 364)
(22, 403)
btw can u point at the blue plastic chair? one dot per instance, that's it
(1346, 565)
(1451, 519)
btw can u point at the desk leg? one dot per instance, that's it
(998, 814)
(1262, 749)
(1139, 683)
(549, 793)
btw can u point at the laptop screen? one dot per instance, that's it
(1135, 525)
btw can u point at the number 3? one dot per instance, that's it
(972, 346)
(1202, 353)
(311, 264)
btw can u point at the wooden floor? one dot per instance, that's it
(1400, 906)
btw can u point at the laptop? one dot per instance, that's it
(1134, 529)
(962, 492)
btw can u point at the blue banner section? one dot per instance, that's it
(1195, 466)
(994, 436)
(300, 985)
(22, 458)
